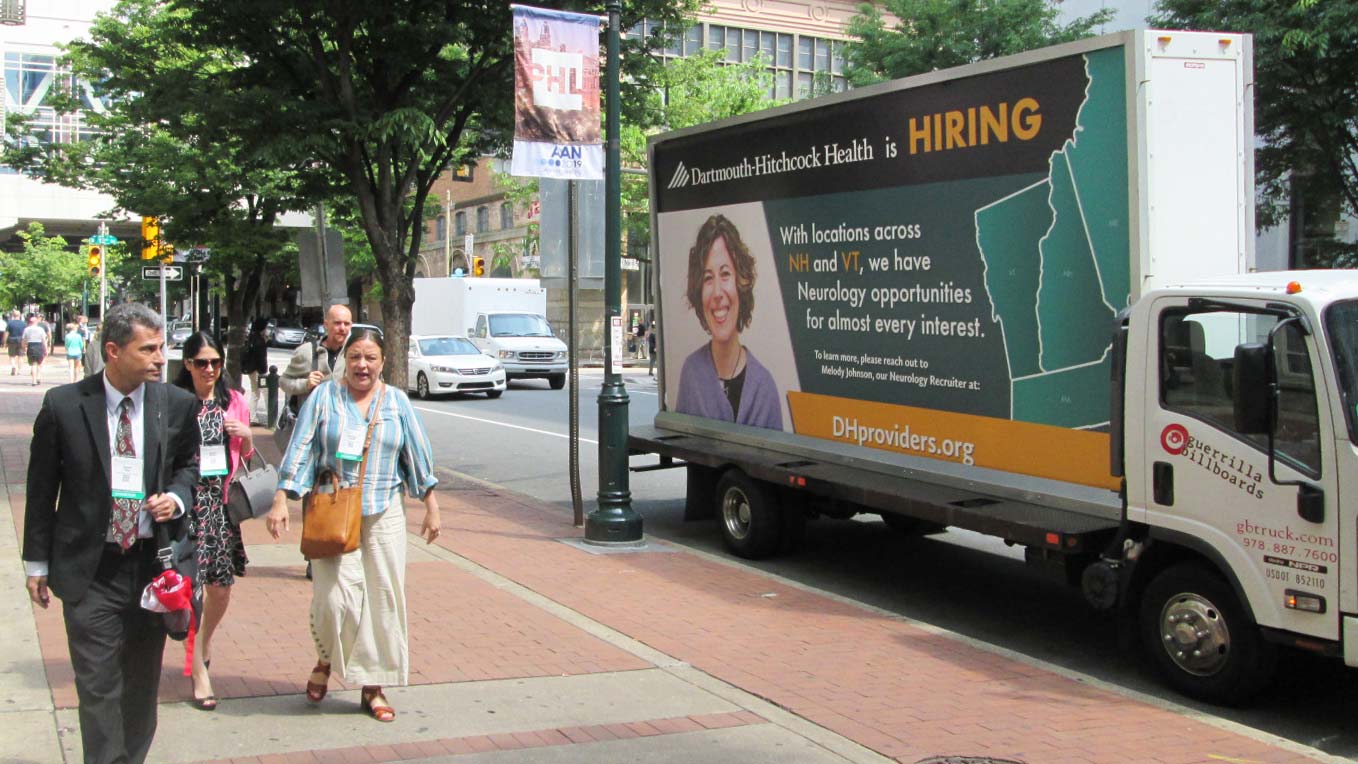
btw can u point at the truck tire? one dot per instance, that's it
(422, 387)
(750, 522)
(1199, 638)
(557, 381)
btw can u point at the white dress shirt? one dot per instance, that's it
(112, 402)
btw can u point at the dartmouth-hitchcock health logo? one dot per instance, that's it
(680, 178)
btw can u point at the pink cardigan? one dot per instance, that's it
(239, 410)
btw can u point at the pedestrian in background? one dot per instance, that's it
(314, 362)
(256, 365)
(358, 604)
(224, 440)
(14, 332)
(35, 345)
(88, 526)
(75, 349)
(650, 346)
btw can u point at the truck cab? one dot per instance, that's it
(524, 344)
(1237, 447)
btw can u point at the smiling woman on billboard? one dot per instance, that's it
(722, 379)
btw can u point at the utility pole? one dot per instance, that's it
(614, 522)
(448, 231)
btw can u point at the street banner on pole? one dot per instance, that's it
(556, 95)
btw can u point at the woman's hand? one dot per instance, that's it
(238, 429)
(432, 527)
(277, 519)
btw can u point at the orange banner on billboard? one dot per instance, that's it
(1075, 456)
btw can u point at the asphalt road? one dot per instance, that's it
(960, 581)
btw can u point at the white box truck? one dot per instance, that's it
(1016, 297)
(505, 318)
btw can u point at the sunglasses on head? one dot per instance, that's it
(206, 363)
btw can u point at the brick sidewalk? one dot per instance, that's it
(901, 690)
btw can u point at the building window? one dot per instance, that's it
(507, 215)
(441, 228)
(460, 223)
(482, 219)
(801, 64)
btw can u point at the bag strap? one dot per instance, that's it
(373, 414)
(316, 355)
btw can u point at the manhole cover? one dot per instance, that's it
(966, 760)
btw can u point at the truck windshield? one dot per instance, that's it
(519, 325)
(1341, 323)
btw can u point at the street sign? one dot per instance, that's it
(172, 272)
(104, 238)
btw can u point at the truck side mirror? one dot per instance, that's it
(1253, 398)
(1311, 503)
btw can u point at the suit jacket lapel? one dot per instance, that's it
(152, 407)
(95, 406)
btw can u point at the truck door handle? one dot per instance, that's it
(1162, 483)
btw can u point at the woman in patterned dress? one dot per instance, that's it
(224, 426)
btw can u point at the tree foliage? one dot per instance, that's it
(44, 271)
(383, 95)
(1305, 99)
(166, 146)
(937, 34)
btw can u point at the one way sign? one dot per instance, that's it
(172, 272)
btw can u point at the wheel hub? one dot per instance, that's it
(735, 511)
(1194, 634)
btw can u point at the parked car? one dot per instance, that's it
(450, 364)
(286, 333)
(315, 332)
(179, 332)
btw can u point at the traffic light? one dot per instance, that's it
(96, 260)
(150, 234)
(478, 266)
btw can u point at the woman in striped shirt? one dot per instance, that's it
(358, 608)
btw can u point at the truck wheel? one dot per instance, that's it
(750, 523)
(1199, 638)
(557, 381)
(422, 387)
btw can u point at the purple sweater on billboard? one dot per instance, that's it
(700, 392)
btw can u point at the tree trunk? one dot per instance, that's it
(398, 294)
(241, 296)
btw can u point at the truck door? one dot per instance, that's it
(480, 333)
(1208, 486)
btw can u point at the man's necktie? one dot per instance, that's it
(125, 510)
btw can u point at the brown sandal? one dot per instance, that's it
(382, 712)
(315, 691)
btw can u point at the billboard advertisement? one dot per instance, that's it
(931, 271)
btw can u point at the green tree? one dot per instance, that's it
(165, 147)
(1305, 109)
(45, 271)
(384, 95)
(936, 34)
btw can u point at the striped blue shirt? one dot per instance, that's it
(399, 455)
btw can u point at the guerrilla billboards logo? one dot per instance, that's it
(1177, 442)
(827, 155)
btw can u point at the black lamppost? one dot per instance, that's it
(613, 521)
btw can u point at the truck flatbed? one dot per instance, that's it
(1020, 522)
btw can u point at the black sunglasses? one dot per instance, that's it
(204, 363)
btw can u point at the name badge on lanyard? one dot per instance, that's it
(212, 460)
(127, 478)
(351, 443)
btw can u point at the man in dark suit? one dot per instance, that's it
(111, 455)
